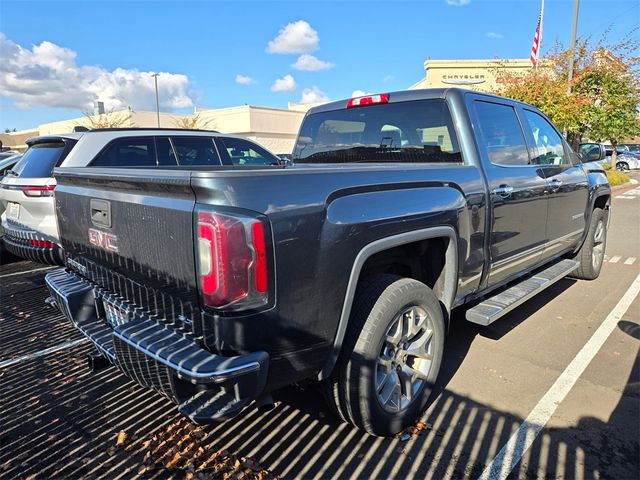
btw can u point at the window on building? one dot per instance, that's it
(501, 135)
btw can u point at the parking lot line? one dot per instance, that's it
(28, 271)
(46, 351)
(511, 453)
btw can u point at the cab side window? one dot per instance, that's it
(128, 152)
(548, 148)
(501, 134)
(196, 151)
(241, 152)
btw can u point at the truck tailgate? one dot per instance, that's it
(131, 235)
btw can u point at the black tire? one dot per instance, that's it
(351, 389)
(591, 254)
(622, 166)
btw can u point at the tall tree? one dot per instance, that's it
(602, 103)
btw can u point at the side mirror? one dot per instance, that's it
(592, 152)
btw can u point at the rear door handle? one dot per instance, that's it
(555, 184)
(502, 190)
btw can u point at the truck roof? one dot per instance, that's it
(405, 96)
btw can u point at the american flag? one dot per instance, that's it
(537, 39)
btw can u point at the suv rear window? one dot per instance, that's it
(418, 131)
(40, 159)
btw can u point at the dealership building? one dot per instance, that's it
(276, 128)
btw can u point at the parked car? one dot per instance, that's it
(597, 152)
(27, 194)
(7, 163)
(630, 148)
(218, 286)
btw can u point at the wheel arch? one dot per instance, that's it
(448, 290)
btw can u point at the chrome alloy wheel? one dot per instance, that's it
(597, 252)
(405, 359)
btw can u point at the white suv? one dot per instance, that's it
(27, 192)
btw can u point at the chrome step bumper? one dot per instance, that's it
(207, 386)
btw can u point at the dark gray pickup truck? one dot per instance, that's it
(218, 285)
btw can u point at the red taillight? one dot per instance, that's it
(368, 100)
(260, 268)
(232, 261)
(42, 243)
(38, 191)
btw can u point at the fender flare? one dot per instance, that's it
(450, 271)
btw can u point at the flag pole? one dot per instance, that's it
(576, 7)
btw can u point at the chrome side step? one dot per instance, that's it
(495, 307)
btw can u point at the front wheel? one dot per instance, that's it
(391, 356)
(622, 166)
(591, 255)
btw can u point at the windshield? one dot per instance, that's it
(414, 131)
(39, 160)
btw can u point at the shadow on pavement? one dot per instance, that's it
(59, 420)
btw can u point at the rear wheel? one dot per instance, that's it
(391, 356)
(591, 255)
(622, 166)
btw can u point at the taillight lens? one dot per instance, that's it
(232, 261)
(38, 191)
(368, 100)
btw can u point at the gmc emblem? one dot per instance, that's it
(104, 240)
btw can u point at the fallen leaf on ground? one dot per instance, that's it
(122, 437)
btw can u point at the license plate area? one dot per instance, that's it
(13, 211)
(115, 315)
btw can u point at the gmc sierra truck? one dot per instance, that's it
(217, 285)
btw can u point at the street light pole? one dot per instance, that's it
(576, 7)
(155, 78)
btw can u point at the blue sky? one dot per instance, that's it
(58, 57)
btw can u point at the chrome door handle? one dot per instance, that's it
(502, 190)
(555, 184)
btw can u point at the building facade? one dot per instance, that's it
(473, 74)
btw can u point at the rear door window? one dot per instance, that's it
(196, 151)
(501, 134)
(236, 151)
(41, 158)
(128, 152)
(165, 153)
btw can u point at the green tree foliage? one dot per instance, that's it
(603, 101)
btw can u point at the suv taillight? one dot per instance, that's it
(38, 191)
(232, 261)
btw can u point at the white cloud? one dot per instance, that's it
(495, 35)
(296, 37)
(47, 75)
(243, 79)
(358, 93)
(313, 95)
(458, 3)
(310, 63)
(284, 84)
(388, 78)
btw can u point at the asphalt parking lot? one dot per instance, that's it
(536, 377)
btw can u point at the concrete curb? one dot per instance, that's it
(632, 183)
